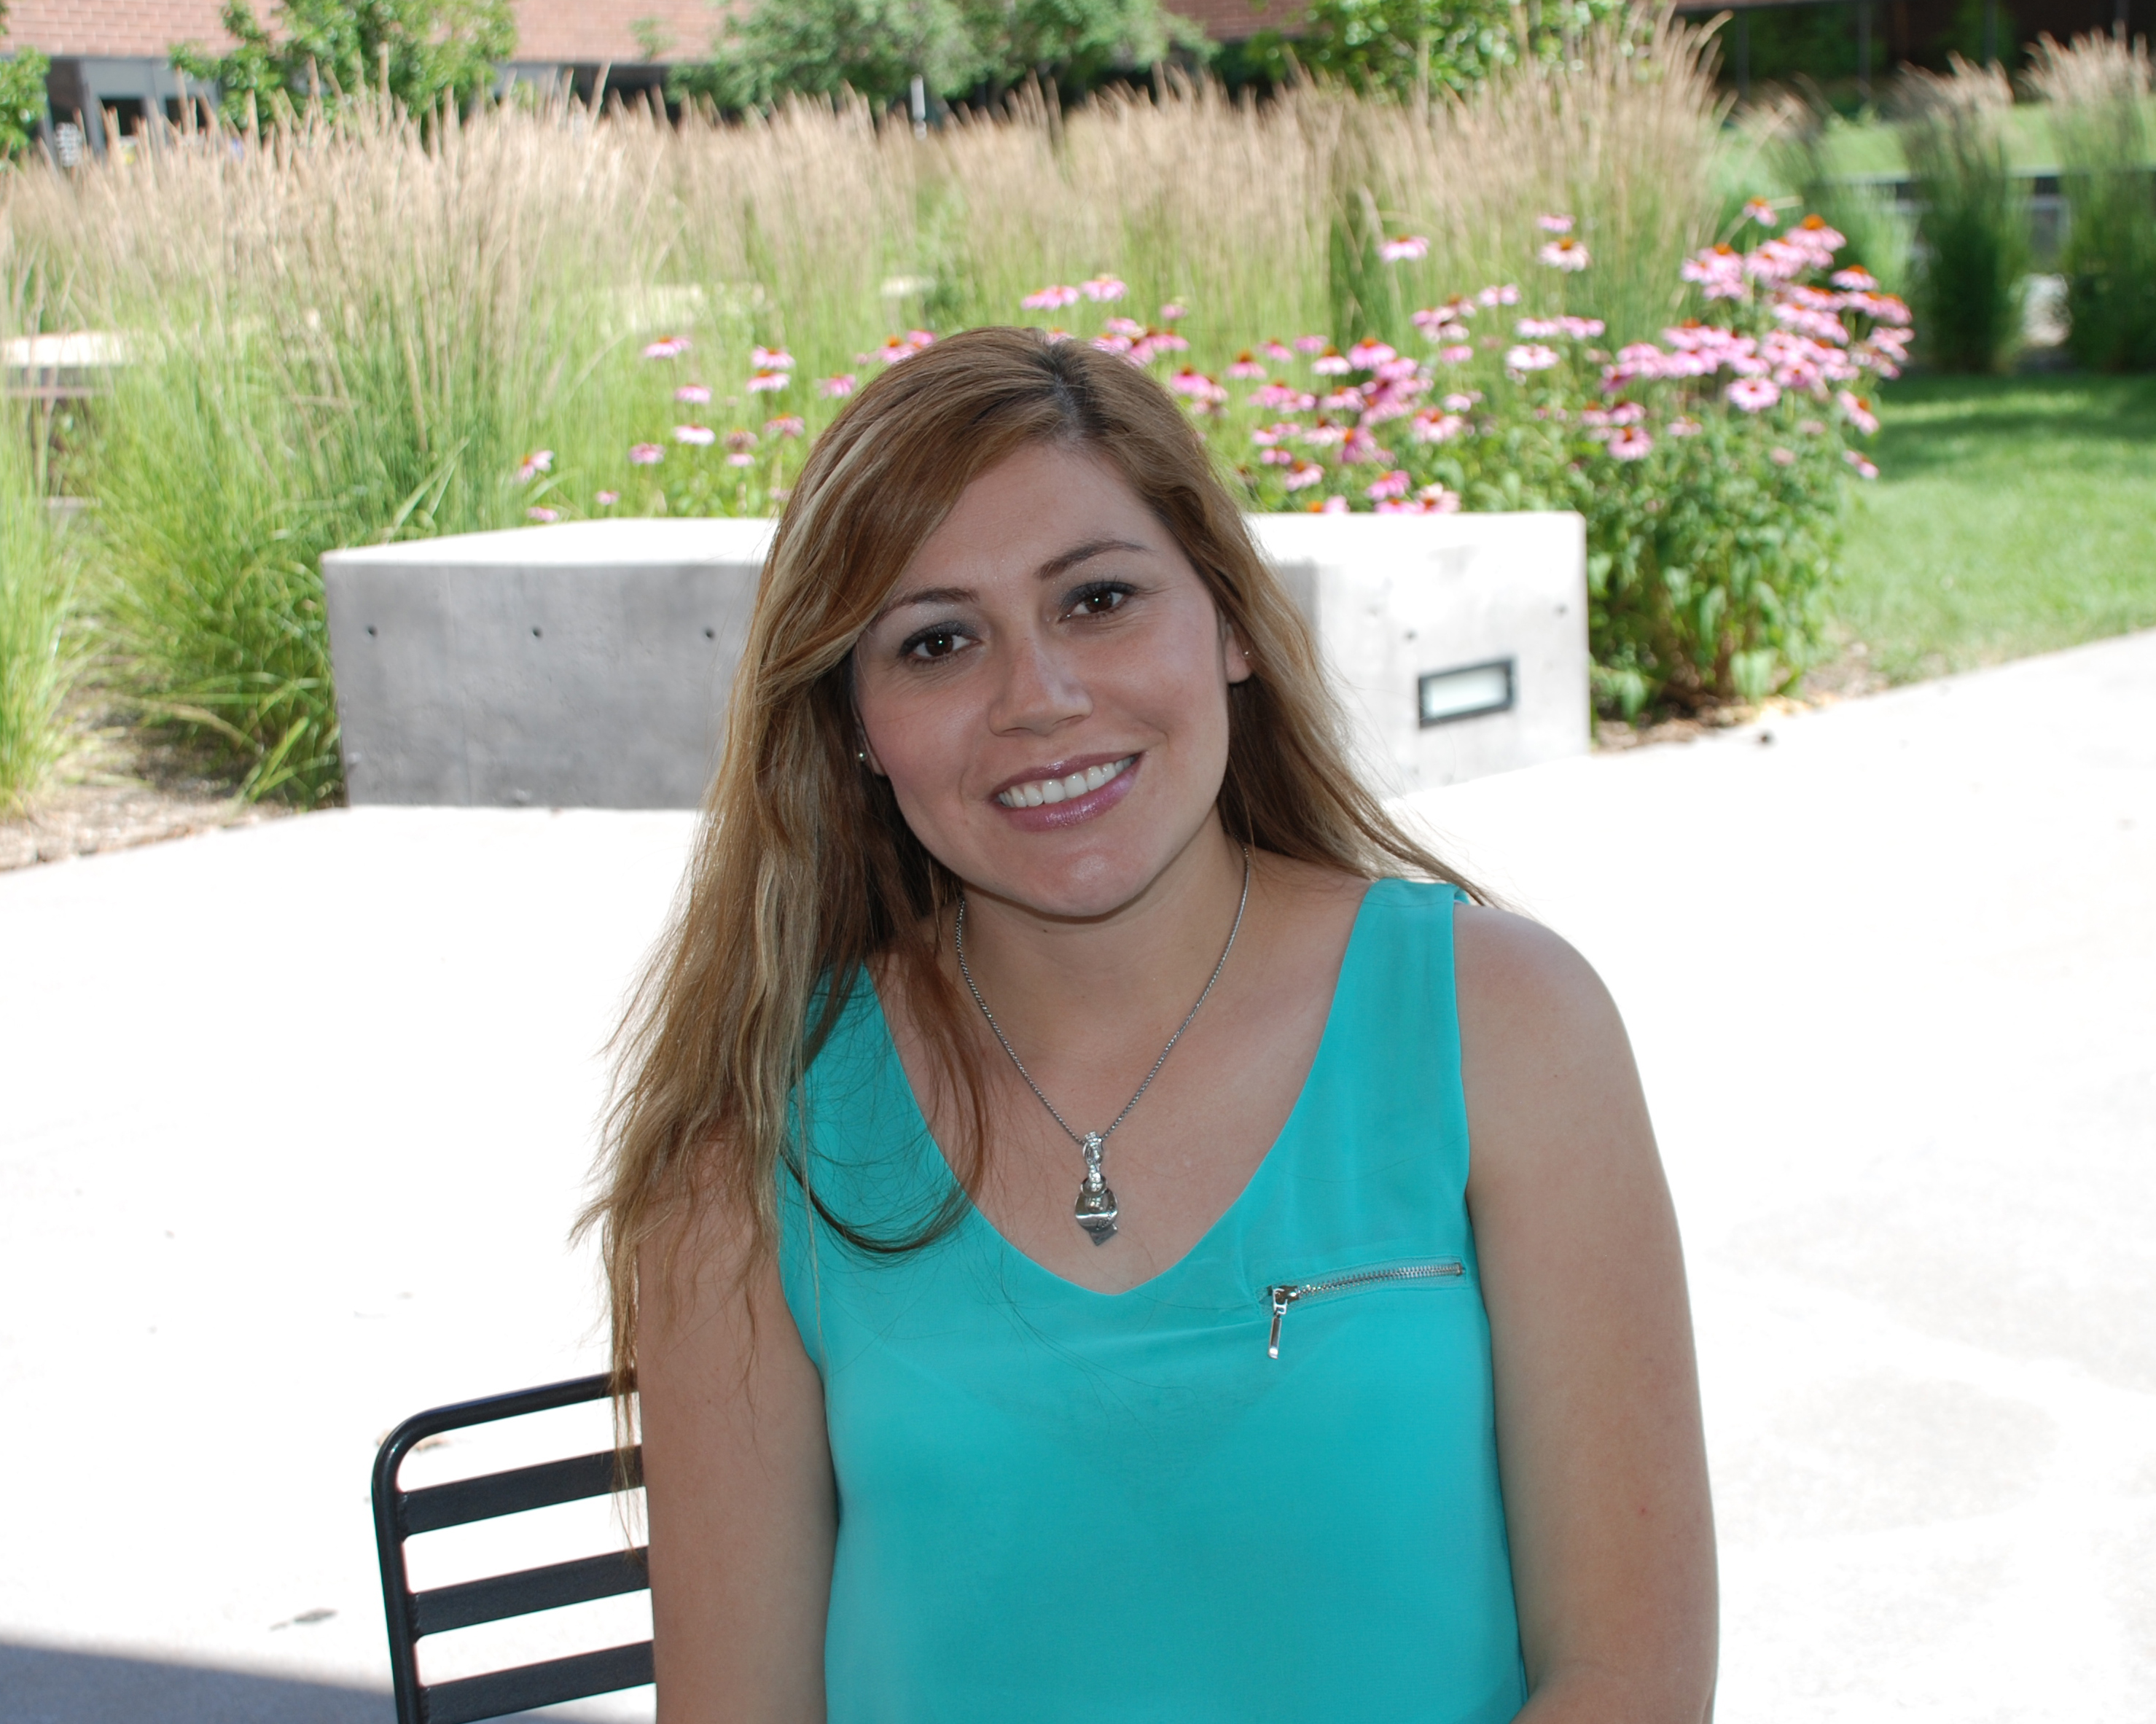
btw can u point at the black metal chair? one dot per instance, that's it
(400, 1513)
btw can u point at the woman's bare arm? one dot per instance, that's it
(1598, 1398)
(737, 1474)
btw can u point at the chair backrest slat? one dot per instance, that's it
(549, 1588)
(501, 1692)
(401, 1514)
(525, 1487)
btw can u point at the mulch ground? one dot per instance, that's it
(118, 790)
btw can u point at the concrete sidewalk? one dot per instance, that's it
(295, 1119)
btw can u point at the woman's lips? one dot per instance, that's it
(1048, 816)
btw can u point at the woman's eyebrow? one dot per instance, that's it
(1067, 561)
(1059, 564)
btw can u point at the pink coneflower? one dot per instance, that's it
(1458, 354)
(740, 440)
(1331, 505)
(1683, 426)
(645, 454)
(696, 392)
(1864, 469)
(1394, 484)
(785, 425)
(1554, 223)
(1055, 338)
(1508, 295)
(1275, 457)
(741, 458)
(1566, 254)
(762, 381)
(1050, 299)
(1629, 443)
(836, 388)
(1324, 436)
(1436, 500)
(1753, 394)
(1531, 355)
(1782, 457)
(539, 514)
(1857, 411)
(1104, 289)
(1812, 428)
(1759, 210)
(1191, 381)
(1311, 344)
(1284, 397)
(1405, 248)
(605, 500)
(1172, 311)
(696, 436)
(1855, 279)
(539, 461)
(1332, 363)
(1462, 403)
(1368, 354)
(1432, 427)
(1302, 475)
(667, 347)
(1278, 351)
(1349, 400)
(1360, 449)
(1246, 368)
(771, 358)
(1166, 341)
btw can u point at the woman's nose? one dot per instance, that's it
(1040, 689)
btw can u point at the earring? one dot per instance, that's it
(862, 755)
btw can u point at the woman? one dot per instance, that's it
(1041, 1220)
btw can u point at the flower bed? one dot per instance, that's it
(1709, 464)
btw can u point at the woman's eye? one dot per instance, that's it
(932, 644)
(1099, 601)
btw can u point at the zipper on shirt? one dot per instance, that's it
(1286, 1293)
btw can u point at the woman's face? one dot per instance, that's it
(1046, 689)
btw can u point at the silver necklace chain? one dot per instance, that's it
(1096, 1208)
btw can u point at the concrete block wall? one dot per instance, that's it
(589, 664)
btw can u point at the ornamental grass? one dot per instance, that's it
(355, 329)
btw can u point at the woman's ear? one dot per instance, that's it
(864, 753)
(1235, 655)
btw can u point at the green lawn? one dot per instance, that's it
(1870, 148)
(2011, 516)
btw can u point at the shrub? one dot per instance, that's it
(1973, 245)
(416, 52)
(2098, 90)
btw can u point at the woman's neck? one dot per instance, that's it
(1046, 976)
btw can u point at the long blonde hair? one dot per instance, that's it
(804, 870)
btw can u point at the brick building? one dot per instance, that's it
(114, 56)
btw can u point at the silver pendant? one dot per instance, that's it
(1095, 1208)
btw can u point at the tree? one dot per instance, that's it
(423, 51)
(955, 47)
(21, 97)
(1406, 47)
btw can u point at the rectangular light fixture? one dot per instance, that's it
(1467, 692)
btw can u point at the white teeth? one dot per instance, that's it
(1051, 790)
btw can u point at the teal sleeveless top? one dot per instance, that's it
(1261, 1486)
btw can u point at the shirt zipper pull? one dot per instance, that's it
(1282, 1297)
